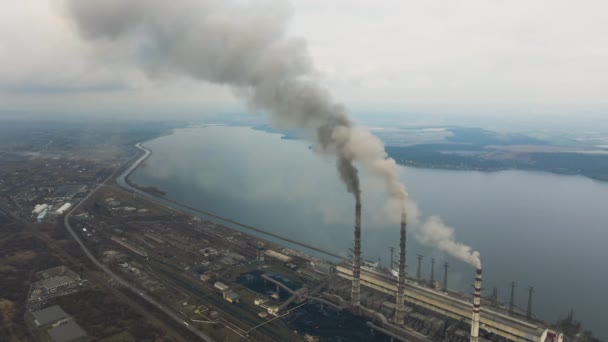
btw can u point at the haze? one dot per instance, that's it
(134, 133)
(541, 59)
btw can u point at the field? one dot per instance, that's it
(22, 256)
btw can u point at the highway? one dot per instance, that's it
(118, 279)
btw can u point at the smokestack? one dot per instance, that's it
(476, 306)
(418, 270)
(433, 272)
(356, 286)
(445, 276)
(400, 307)
(244, 46)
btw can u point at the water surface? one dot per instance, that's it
(535, 228)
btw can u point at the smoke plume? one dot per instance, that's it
(242, 45)
(435, 233)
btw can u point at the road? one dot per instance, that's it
(118, 279)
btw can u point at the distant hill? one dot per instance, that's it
(473, 148)
(482, 137)
(287, 134)
(434, 156)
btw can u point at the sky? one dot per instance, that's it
(494, 58)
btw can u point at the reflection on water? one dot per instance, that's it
(535, 228)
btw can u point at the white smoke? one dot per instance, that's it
(434, 232)
(242, 44)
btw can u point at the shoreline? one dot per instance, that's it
(184, 208)
(127, 173)
(149, 189)
(179, 205)
(433, 165)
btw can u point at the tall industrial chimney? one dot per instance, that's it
(400, 305)
(356, 290)
(476, 306)
(445, 276)
(433, 272)
(419, 270)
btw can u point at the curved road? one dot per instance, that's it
(118, 279)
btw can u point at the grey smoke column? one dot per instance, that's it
(400, 305)
(356, 285)
(242, 45)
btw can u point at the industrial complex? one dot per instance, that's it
(244, 269)
(485, 323)
(217, 279)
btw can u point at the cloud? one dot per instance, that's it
(492, 56)
(460, 54)
(36, 88)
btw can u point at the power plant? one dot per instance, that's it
(289, 93)
(437, 314)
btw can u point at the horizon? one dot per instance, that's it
(512, 61)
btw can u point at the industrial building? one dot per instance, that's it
(65, 207)
(57, 271)
(221, 286)
(67, 332)
(483, 322)
(276, 255)
(55, 325)
(39, 208)
(47, 316)
(494, 322)
(59, 283)
(230, 296)
(54, 282)
(42, 216)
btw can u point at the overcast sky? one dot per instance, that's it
(491, 57)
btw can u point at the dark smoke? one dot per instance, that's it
(350, 177)
(242, 45)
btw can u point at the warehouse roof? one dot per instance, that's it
(67, 332)
(49, 315)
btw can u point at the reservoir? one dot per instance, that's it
(537, 229)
